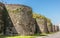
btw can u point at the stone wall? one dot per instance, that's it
(42, 23)
(1, 18)
(56, 28)
(18, 20)
(49, 25)
(53, 28)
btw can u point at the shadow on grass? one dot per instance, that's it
(2, 36)
(40, 35)
(43, 35)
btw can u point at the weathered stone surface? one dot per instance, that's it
(19, 20)
(37, 29)
(1, 18)
(42, 23)
(49, 25)
(56, 28)
(53, 28)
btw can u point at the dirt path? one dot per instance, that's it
(55, 35)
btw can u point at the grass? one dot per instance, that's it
(43, 34)
(17, 36)
(1, 36)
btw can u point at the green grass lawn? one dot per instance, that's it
(1, 36)
(17, 36)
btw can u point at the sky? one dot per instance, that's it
(48, 8)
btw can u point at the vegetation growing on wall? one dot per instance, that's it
(35, 15)
(38, 16)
